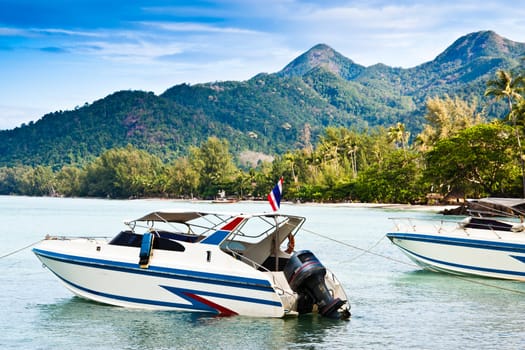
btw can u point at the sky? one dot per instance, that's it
(60, 54)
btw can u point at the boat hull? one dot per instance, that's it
(159, 286)
(464, 254)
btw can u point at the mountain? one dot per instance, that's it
(269, 113)
(478, 45)
(383, 95)
(265, 114)
(324, 56)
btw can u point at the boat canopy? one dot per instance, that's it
(492, 206)
(171, 216)
(505, 202)
(214, 227)
(182, 216)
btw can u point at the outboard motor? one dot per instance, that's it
(306, 276)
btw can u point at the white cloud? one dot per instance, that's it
(136, 53)
(58, 31)
(403, 34)
(6, 31)
(198, 27)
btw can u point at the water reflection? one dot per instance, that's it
(456, 302)
(119, 328)
(314, 331)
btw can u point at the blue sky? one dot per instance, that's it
(58, 54)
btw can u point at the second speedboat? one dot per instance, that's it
(483, 244)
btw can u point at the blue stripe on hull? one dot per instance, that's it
(132, 300)
(187, 275)
(194, 306)
(520, 258)
(463, 242)
(478, 244)
(180, 291)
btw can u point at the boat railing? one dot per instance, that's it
(446, 226)
(410, 223)
(69, 238)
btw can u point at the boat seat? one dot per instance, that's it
(145, 250)
(131, 239)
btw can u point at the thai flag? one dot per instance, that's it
(274, 197)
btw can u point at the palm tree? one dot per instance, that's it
(509, 86)
(398, 134)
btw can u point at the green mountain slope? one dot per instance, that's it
(269, 113)
(382, 95)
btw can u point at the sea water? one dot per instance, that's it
(395, 305)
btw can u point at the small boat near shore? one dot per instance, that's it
(212, 262)
(489, 242)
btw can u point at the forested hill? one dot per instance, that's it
(269, 113)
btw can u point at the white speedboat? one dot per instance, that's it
(219, 263)
(484, 245)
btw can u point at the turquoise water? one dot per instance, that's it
(394, 305)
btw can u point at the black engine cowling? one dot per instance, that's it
(306, 276)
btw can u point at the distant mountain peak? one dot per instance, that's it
(481, 44)
(321, 47)
(321, 56)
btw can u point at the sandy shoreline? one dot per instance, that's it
(415, 207)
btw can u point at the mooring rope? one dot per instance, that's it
(20, 249)
(364, 251)
(369, 251)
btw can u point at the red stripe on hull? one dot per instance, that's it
(221, 309)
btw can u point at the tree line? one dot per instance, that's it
(460, 153)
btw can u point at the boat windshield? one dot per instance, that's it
(254, 228)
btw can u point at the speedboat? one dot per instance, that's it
(212, 262)
(489, 242)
